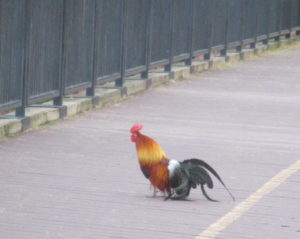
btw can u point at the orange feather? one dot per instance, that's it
(148, 150)
(153, 160)
(159, 176)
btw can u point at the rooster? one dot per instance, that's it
(170, 176)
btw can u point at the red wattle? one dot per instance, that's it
(133, 138)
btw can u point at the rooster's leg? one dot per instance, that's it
(155, 191)
(170, 194)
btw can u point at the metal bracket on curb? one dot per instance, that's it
(192, 68)
(148, 83)
(171, 75)
(227, 58)
(62, 108)
(25, 121)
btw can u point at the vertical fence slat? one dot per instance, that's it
(120, 81)
(298, 19)
(210, 35)
(224, 51)
(145, 74)
(91, 90)
(191, 32)
(168, 67)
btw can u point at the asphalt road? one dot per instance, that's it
(79, 178)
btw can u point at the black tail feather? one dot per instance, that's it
(207, 180)
(199, 175)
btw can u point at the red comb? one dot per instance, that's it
(136, 128)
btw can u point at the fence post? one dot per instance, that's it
(210, 34)
(90, 92)
(20, 111)
(242, 20)
(145, 74)
(277, 38)
(253, 44)
(224, 51)
(168, 67)
(298, 20)
(191, 34)
(288, 35)
(266, 41)
(58, 101)
(119, 83)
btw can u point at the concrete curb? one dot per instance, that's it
(108, 96)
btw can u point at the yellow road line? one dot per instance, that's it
(215, 228)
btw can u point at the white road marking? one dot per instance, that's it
(214, 229)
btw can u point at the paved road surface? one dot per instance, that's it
(79, 178)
